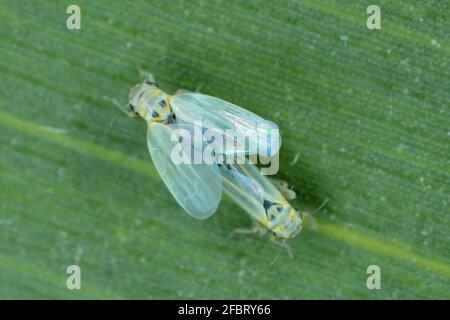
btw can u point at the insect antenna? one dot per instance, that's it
(320, 207)
(306, 216)
(148, 76)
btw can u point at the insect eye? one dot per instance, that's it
(155, 114)
(162, 103)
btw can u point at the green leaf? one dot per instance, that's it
(365, 112)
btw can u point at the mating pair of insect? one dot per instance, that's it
(198, 187)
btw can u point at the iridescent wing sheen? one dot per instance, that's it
(196, 187)
(219, 115)
(256, 194)
(245, 191)
(270, 190)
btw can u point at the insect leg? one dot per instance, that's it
(124, 108)
(256, 228)
(282, 243)
(199, 88)
(180, 91)
(283, 187)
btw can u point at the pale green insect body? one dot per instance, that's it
(151, 103)
(196, 187)
(257, 195)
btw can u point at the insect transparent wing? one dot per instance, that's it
(186, 131)
(245, 191)
(271, 192)
(196, 187)
(219, 115)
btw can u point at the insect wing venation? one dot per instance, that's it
(245, 191)
(218, 114)
(196, 187)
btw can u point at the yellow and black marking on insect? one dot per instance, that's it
(196, 187)
(261, 199)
